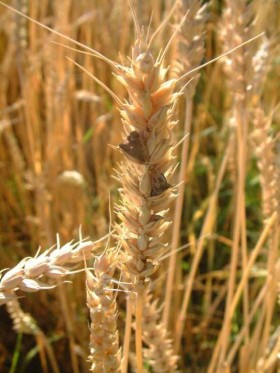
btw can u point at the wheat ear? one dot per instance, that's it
(160, 353)
(145, 193)
(266, 160)
(52, 264)
(24, 323)
(147, 146)
(190, 42)
(104, 354)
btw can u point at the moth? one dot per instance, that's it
(135, 148)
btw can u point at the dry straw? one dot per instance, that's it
(238, 25)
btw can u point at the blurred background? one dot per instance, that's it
(56, 166)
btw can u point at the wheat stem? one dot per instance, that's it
(127, 334)
(242, 283)
(139, 329)
(177, 214)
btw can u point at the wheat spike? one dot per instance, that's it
(266, 161)
(144, 174)
(23, 322)
(104, 340)
(52, 264)
(159, 353)
(147, 147)
(191, 39)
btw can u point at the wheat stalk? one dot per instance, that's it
(266, 153)
(238, 292)
(237, 26)
(246, 72)
(189, 53)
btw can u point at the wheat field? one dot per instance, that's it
(139, 186)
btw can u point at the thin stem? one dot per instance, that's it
(42, 354)
(69, 327)
(271, 294)
(240, 288)
(16, 354)
(243, 162)
(139, 328)
(239, 213)
(127, 334)
(242, 333)
(50, 353)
